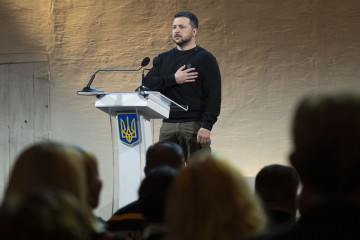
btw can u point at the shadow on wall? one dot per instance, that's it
(20, 29)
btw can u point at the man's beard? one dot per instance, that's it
(182, 42)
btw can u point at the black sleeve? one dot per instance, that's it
(213, 89)
(155, 81)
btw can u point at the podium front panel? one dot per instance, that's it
(130, 158)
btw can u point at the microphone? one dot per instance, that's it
(143, 88)
(93, 91)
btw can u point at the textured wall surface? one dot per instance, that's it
(270, 53)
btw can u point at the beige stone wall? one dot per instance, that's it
(270, 54)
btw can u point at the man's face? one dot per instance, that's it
(182, 32)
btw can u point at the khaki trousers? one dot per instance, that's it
(184, 134)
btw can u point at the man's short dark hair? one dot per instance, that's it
(277, 183)
(164, 153)
(194, 22)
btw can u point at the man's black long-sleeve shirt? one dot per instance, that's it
(203, 97)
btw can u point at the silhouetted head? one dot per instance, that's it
(275, 183)
(326, 132)
(48, 166)
(277, 186)
(164, 153)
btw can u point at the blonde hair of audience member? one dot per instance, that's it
(50, 166)
(44, 215)
(211, 200)
(93, 186)
(45, 166)
(93, 181)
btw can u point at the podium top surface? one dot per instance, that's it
(151, 104)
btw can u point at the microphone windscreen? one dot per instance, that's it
(145, 61)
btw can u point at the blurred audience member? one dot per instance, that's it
(93, 188)
(326, 155)
(49, 214)
(277, 186)
(210, 200)
(129, 219)
(41, 168)
(153, 194)
(54, 167)
(93, 181)
(45, 166)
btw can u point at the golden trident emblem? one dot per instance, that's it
(128, 131)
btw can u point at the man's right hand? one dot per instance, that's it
(183, 75)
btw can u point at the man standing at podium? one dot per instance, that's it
(190, 76)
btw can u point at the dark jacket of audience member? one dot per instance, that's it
(153, 194)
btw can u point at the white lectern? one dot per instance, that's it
(132, 112)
